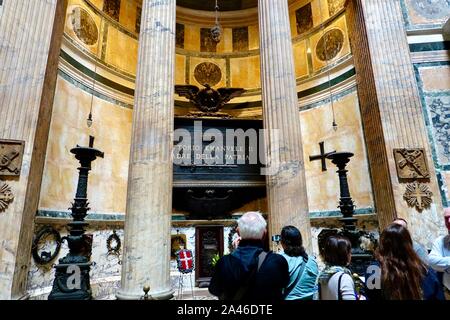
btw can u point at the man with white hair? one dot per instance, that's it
(250, 273)
(439, 257)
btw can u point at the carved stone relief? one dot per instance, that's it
(6, 196)
(418, 195)
(411, 164)
(11, 154)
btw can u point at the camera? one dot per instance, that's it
(276, 238)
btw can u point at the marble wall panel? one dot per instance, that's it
(121, 51)
(192, 37)
(434, 86)
(319, 11)
(253, 37)
(323, 187)
(129, 14)
(111, 128)
(301, 59)
(423, 14)
(245, 72)
(104, 273)
(180, 69)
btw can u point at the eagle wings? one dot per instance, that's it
(208, 99)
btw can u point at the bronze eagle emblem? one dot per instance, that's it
(208, 99)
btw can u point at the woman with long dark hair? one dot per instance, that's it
(303, 269)
(402, 275)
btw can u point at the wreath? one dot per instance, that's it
(45, 257)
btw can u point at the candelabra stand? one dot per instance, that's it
(72, 281)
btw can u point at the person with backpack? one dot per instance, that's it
(303, 269)
(399, 273)
(335, 282)
(250, 272)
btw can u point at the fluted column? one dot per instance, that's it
(30, 40)
(286, 187)
(146, 256)
(391, 110)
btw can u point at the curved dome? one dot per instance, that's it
(225, 5)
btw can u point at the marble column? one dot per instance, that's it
(391, 110)
(146, 256)
(30, 40)
(286, 186)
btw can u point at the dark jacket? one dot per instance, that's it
(431, 288)
(232, 272)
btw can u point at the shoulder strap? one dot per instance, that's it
(339, 286)
(299, 276)
(244, 288)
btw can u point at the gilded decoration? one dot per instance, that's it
(84, 26)
(330, 44)
(208, 73)
(418, 195)
(411, 164)
(334, 6)
(11, 154)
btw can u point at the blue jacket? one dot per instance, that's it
(301, 286)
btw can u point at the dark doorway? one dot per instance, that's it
(209, 242)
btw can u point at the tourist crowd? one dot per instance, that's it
(401, 270)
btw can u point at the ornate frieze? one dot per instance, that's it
(11, 154)
(411, 164)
